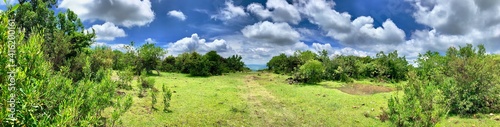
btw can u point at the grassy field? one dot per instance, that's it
(265, 99)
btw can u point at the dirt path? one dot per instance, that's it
(264, 106)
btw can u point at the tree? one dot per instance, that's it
(234, 63)
(278, 64)
(149, 55)
(168, 64)
(119, 61)
(198, 65)
(215, 62)
(311, 71)
(475, 77)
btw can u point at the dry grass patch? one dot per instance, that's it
(361, 89)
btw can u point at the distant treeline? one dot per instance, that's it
(307, 66)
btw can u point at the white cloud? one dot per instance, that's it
(120, 47)
(333, 51)
(275, 33)
(359, 33)
(121, 12)
(150, 40)
(195, 43)
(177, 14)
(230, 12)
(278, 10)
(107, 31)
(259, 10)
(452, 23)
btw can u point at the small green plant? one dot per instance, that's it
(167, 95)
(125, 78)
(121, 106)
(153, 99)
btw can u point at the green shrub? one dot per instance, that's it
(311, 71)
(167, 96)
(153, 99)
(125, 78)
(121, 106)
(475, 81)
(422, 104)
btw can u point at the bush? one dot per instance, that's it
(311, 71)
(475, 78)
(167, 96)
(423, 104)
(125, 78)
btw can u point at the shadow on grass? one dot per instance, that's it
(196, 76)
(307, 84)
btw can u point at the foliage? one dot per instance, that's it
(234, 63)
(48, 98)
(422, 104)
(122, 105)
(119, 61)
(153, 99)
(167, 96)
(149, 55)
(125, 78)
(311, 71)
(475, 80)
(168, 64)
(389, 67)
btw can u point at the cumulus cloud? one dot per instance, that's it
(359, 33)
(107, 31)
(230, 11)
(453, 23)
(120, 47)
(333, 51)
(275, 33)
(277, 10)
(195, 43)
(121, 12)
(150, 40)
(177, 14)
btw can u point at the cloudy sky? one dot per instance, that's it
(260, 29)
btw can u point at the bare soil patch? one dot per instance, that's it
(360, 89)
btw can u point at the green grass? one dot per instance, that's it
(263, 99)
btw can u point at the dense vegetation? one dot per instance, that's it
(54, 78)
(382, 68)
(464, 82)
(51, 76)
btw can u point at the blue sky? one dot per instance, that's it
(260, 29)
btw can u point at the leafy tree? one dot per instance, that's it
(198, 65)
(149, 56)
(474, 88)
(119, 61)
(102, 57)
(278, 64)
(311, 71)
(168, 64)
(215, 62)
(182, 62)
(234, 63)
(305, 56)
